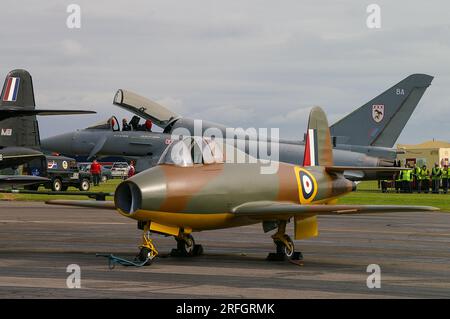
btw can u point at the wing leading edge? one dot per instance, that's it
(268, 210)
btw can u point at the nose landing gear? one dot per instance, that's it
(147, 250)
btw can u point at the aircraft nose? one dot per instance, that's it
(60, 143)
(144, 191)
(128, 198)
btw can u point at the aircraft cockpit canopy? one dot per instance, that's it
(190, 151)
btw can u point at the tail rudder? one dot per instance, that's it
(18, 89)
(318, 148)
(380, 121)
(18, 93)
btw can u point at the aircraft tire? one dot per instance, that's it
(186, 246)
(145, 254)
(283, 249)
(289, 249)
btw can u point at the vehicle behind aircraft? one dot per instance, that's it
(19, 130)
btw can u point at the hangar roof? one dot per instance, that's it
(425, 145)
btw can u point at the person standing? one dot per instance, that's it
(96, 170)
(131, 170)
(425, 178)
(415, 176)
(398, 181)
(407, 178)
(445, 179)
(419, 179)
(436, 178)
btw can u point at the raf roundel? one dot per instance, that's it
(307, 185)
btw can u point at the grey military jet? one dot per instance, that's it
(365, 137)
(19, 131)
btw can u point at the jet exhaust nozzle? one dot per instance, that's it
(128, 197)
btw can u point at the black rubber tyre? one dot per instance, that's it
(57, 185)
(290, 249)
(144, 254)
(282, 249)
(85, 185)
(186, 246)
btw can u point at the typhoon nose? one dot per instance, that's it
(60, 143)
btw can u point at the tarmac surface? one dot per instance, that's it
(38, 242)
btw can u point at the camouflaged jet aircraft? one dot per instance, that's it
(365, 137)
(199, 185)
(19, 131)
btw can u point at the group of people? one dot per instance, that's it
(135, 126)
(420, 179)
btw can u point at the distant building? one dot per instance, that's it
(426, 153)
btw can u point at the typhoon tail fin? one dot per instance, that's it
(380, 121)
(318, 148)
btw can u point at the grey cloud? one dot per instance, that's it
(247, 63)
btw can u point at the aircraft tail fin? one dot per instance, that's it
(380, 121)
(18, 93)
(318, 148)
(17, 89)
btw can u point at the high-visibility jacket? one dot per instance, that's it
(406, 176)
(445, 173)
(424, 174)
(436, 173)
(416, 171)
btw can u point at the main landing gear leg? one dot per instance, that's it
(186, 246)
(147, 250)
(284, 245)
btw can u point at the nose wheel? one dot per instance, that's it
(147, 251)
(186, 247)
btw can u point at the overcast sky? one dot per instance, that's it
(241, 63)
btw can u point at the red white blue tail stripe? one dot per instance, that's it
(11, 90)
(311, 154)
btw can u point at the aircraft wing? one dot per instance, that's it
(20, 111)
(20, 180)
(144, 108)
(269, 210)
(83, 203)
(374, 169)
(358, 173)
